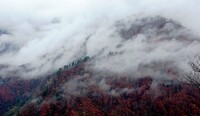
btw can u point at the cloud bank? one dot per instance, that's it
(38, 37)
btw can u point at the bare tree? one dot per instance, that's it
(193, 78)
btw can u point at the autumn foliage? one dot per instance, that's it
(144, 99)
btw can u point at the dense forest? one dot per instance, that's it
(142, 96)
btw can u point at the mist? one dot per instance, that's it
(38, 37)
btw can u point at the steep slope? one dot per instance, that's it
(67, 94)
(132, 71)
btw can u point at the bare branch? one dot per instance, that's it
(193, 78)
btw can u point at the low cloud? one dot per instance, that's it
(123, 35)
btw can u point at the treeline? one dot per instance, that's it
(73, 64)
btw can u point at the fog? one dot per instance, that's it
(39, 36)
